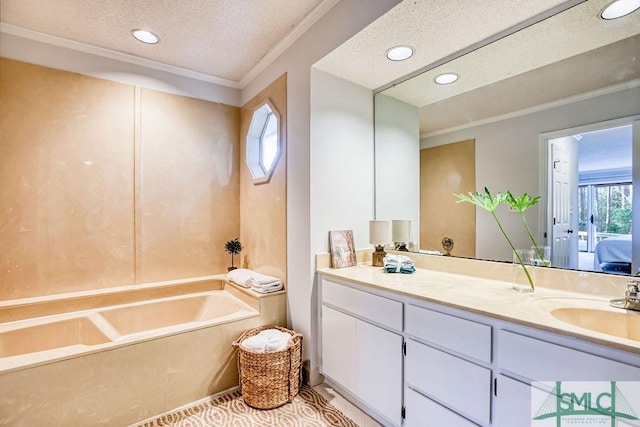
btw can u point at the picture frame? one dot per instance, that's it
(343, 253)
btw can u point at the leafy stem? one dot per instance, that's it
(521, 204)
(490, 203)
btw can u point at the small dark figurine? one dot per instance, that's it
(447, 244)
(234, 247)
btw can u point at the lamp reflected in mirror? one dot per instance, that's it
(401, 234)
(378, 236)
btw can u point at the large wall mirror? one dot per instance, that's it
(563, 93)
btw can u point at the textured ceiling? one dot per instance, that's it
(589, 72)
(436, 29)
(567, 34)
(562, 56)
(225, 39)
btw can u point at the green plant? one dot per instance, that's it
(234, 247)
(490, 203)
(521, 204)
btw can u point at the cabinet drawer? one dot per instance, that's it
(424, 412)
(381, 310)
(542, 361)
(460, 335)
(458, 384)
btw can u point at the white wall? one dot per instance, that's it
(63, 58)
(397, 140)
(508, 157)
(342, 170)
(343, 21)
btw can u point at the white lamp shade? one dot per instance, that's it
(379, 232)
(401, 230)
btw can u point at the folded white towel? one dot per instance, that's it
(399, 263)
(278, 343)
(270, 333)
(255, 343)
(264, 289)
(258, 279)
(241, 276)
(252, 279)
(267, 340)
(428, 252)
(394, 260)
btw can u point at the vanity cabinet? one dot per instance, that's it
(533, 359)
(460, 368)
(362, 347)
(444, 362)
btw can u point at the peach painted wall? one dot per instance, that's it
(104, 184)
(263, 210)
(445, 170)
(189, 179)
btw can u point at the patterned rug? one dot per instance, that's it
(308, 409)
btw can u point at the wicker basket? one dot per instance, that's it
(272, 378)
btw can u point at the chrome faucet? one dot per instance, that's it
(631, 300)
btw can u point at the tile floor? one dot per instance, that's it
(344, 406)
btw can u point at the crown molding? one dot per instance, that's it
(112, 54)
(286, 42)
(558, 103)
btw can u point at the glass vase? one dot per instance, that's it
(545, 251)
(523, 271)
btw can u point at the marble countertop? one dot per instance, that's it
(498, 300)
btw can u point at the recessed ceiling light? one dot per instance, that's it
(145, 36)
(446, 78)
(399, 53)
(619, 8)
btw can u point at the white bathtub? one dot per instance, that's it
(119, 357)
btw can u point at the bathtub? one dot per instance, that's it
(116, 358)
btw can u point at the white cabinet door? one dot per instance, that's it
(459, 384)
(424, 412)
(512, 403)
(379, 370)
(338, 347)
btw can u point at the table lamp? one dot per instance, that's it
(379, 236)
(401, 233)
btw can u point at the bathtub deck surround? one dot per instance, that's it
(171, 343)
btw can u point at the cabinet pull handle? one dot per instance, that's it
(495, 387)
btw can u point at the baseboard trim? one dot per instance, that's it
(187, 405)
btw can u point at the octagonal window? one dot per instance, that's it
(263, 143)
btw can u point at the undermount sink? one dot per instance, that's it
(622, 323)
